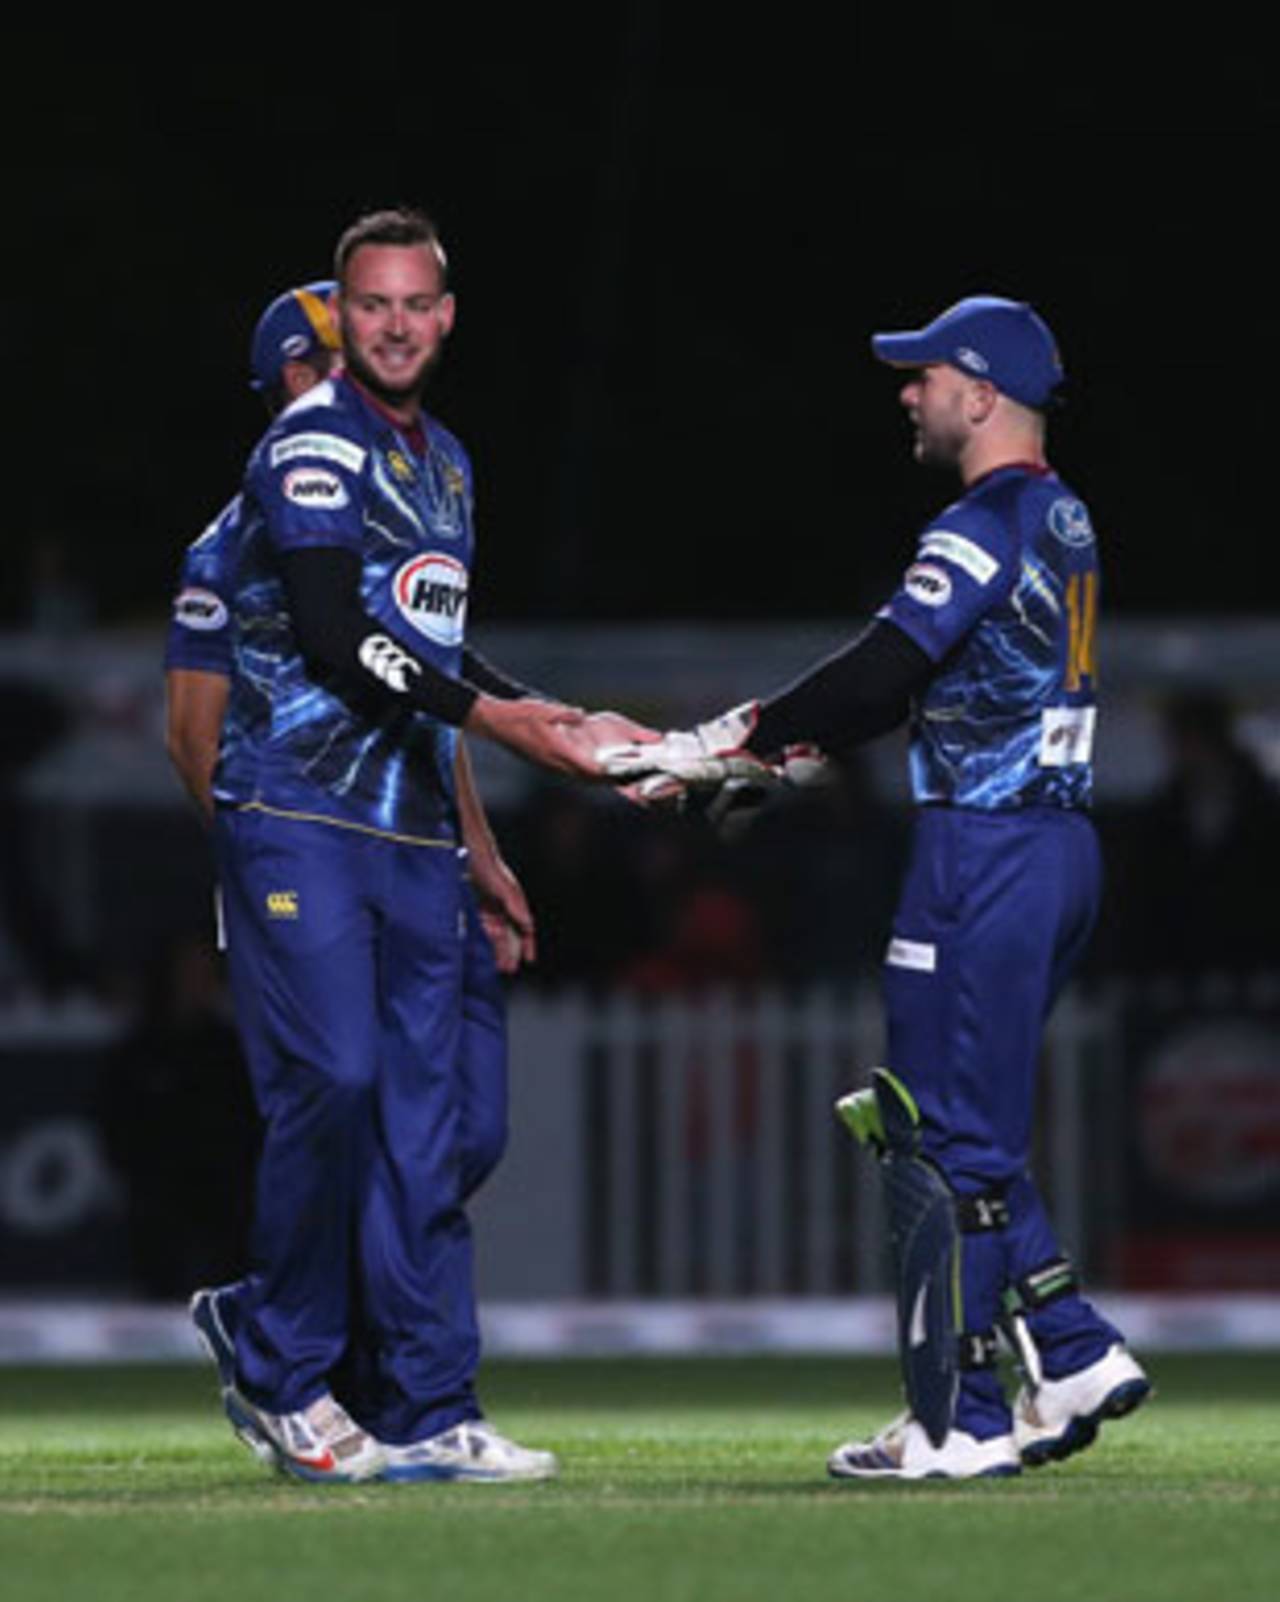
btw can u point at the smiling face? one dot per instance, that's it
(395, 314)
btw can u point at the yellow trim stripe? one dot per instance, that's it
(316, 312)
(343, 823)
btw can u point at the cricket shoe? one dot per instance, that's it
(206, 1312)
(472, 1450)
(322, 1442)
(902, 1451)
(1062, 1416)
(207, 1315)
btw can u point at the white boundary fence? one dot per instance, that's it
(688, 1147)
(677, 1182)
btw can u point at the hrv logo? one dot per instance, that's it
(927, 583)
(315, 487)
(431, 594)
(200, 609)
(282, 904)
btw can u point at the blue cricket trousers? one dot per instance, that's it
(994, 914)
(346, 953)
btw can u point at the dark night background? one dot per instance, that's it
(672, 232)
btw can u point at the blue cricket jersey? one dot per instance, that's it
(1003, 596)
(334, 471)
(199, 635)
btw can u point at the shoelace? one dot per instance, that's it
(332, 1424)
(893, 1432)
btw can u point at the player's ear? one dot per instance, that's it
(296, 378)
(981, 400)
(447, 311)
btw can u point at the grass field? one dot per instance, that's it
(684, 1481)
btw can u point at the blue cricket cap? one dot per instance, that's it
(984, 336)
(295, 326)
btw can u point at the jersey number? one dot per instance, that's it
(1082, 619)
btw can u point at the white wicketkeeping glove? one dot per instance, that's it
(805, 767)
(701, 758)
(738, 802)
(732, 805)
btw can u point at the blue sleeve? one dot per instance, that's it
(199, 636)
(306, 477)
(966, 564)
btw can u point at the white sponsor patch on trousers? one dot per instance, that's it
(1066, 735)
(915, 954)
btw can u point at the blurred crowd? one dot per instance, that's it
(658, 902)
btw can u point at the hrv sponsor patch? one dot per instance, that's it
(964, 552)
(319, 447)
(1066, 735)
(431, 594)
(200, 609)
(282, 904)
(919, 955)
(927, 583)
(315, 487)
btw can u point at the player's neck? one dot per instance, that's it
(403, 413)
(985, 454)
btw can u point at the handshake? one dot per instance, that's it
(711, 765)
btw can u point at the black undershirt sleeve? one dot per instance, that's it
(351, 653)
(861, 691)
(478, 670)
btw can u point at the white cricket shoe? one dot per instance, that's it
(1062, 1416)
(472, 1450)
(902, 1451)
(322, 1442)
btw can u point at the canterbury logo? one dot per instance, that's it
(282, 904)
(384, 658)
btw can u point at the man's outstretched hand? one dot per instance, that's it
(563, 738)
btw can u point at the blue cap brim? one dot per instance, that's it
(906, 350)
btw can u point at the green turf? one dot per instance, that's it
(698, 1480)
